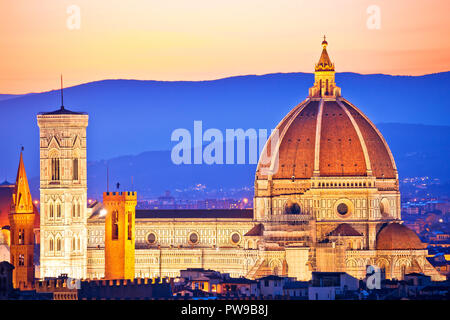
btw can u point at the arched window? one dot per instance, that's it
(130, 229)
(115, 225)
(58, 210)
(55, 169)
(51, 245)
(75, 169)
(78, 210)
(50, 211)
(78, 244)
(21, 236)
(73, 210)
(74, 243)
(21, 260)
(58, 244)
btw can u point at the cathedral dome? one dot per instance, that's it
(326, 136)
(396, 236)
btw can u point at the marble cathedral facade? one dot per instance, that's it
(327, 201)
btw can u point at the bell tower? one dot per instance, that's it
(63, 186)
(119, 234)
(21, 220)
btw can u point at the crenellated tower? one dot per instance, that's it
(120, 234)
(21, 220)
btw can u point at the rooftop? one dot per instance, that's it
(195, 213)
(62, 111)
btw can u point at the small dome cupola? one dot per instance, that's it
(324, 84)
(395, 236)
(324, 63)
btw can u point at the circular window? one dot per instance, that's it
(235, 238)
(342, 209)
(151, 238)
(292, 208)
(193, 238)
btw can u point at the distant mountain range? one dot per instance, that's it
(419, 150)
(131, 120)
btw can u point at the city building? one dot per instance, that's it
(21, 219)
(327, 200)
(6, 279)
(63, 193)
(329, 285)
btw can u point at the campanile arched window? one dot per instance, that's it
(51, 210)
(58, 245)
(55, 169)
(75, 169)
(58, 210)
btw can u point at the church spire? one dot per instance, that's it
(21, 201)
(62, 96)
(324, 85)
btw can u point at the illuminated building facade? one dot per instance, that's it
(21, 219)
(119, 235)
(63, 193)
(328, 200)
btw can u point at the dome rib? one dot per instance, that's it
(299, 133)
(341, 154)
(377, 152)
(360, 136)
(282, 127)
(317, 142)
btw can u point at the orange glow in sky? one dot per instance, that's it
(209, 39)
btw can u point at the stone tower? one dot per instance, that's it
(63, 185)
(119, 234)
(21, 219)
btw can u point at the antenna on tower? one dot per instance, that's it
(107, 177)
(62, 96)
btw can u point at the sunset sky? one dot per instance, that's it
(209, 39)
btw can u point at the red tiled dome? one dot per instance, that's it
(349, 144)
(396, 236)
